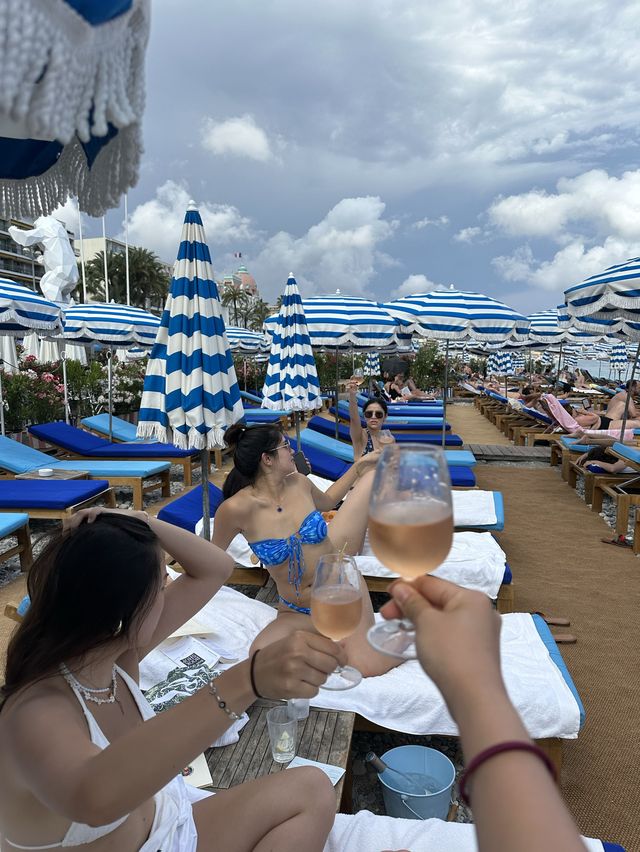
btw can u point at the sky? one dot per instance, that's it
(387, 147)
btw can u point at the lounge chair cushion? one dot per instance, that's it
(323, 464)
(83, 443)
(121, 429)
(47, 494)
(631, 454)
(328, 427)
(12, 521)
(186, 510)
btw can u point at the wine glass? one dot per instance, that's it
(358, 375)
(410, 527)
(336, 609)
(385, 437)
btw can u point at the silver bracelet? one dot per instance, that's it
(222, 704)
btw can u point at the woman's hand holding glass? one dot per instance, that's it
(410, 526)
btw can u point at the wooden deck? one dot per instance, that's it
(495, 452)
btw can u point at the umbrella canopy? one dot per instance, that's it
(345, 322)
(191, 394)
(544, 328)
(121, 326)
(22, 311)
(244, 341)
(372, 364)
(292, 378)
(609, 300)
(71, 103)
(456, 315)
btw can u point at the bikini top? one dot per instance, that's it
(369, 448)
(78, 833)
(274, 551)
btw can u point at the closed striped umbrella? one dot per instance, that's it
(499, 364)
(22, 311)
(372, 364)
(618, 358)
(292, 382)
(191, 393)
(570, 358)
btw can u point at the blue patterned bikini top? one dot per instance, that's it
(274, 551)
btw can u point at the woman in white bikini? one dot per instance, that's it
(279, 512)
(83, 760)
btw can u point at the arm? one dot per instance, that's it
(516, 804)
(228, 524)
(355, 428)
(329, 499)
(83, 783)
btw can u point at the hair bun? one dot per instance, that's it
(234, 433)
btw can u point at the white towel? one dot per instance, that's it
(405, 699)
(476, 561)
(367, 832)
(473, 508)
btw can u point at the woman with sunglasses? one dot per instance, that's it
(279, 512)
(371, 438)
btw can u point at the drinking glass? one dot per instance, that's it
(336, 609)
(410, 527)
(283, 732)
(385, 437)
(358, 375)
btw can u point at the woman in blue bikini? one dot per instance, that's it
(278, 510)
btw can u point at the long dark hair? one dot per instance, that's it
(87, 587)
(248, 444)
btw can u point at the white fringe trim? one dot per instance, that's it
(194, 440)
(63, 76)
(152, 430)
(292, 404)
(114, 171)
(610, 299)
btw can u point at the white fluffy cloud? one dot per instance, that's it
(595, 200)
(467, 235)
(340, 252)
(239, 136)
(157, 224)
(412, 285)
(440, 221)
(69, 214)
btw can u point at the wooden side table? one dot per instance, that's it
(325, 735)
(57, 474)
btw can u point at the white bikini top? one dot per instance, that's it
(78, 833)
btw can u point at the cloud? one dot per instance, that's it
(467, 235)
(440, 222)
(412, 285)
(342, 251)
(238, 137)
(595, 201)
(570, 265)
(68, 213)
(157, 224)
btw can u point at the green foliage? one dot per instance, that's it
(326, 366)
(427, 368)
(34, 394)
(148, 278)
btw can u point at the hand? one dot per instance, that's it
(367, 462)
(353, 385)
(296, 666)
(89, 515)
(457, 636)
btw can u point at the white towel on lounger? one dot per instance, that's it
(473, 508)
(404, 699)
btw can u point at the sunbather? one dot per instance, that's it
(615, 407)
(83, 760)
(279, 513)
(374, 412)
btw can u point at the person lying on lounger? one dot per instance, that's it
(374, 412)
(278, 511)
(83, 759)
(615, 407)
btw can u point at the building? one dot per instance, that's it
(92, 246)
(19, 263)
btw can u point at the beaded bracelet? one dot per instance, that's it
(499, 748)
(222, 704)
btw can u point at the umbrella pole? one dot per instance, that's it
(337, 392)
(110, 375)
(244, 365)
(444, 395)
(206, 508)
(1, 400)
(296, 420)
(627, 400)
(63, 358)
(559, 360)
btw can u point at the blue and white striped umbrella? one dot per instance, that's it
(545, 329)
(372, 364)
(22, 311)
(120, 326)
(610, 299)
(456, 315)
(569, 357)
(244, 341)
(499, 364)
(191, 394)
(346, 322)
(618, 358)
(292, 380)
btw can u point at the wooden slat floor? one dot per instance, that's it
(496, 452)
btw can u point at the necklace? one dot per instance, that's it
(99, 695)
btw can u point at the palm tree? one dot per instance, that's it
(238, 302)
(148, 278)
(260, 310)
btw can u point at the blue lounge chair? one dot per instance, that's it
(459, 461)
(417, 423)
(17, 524)
(328, 428)
(185, 511)
(426, 409)
(80, 444)
(46, 498)
(19, 458)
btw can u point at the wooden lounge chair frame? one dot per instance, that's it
(60, 514)
(22, 548)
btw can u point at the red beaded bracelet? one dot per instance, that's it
(499, 748)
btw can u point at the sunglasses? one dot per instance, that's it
(377, 414)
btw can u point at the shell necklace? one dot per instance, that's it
(99, 695)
